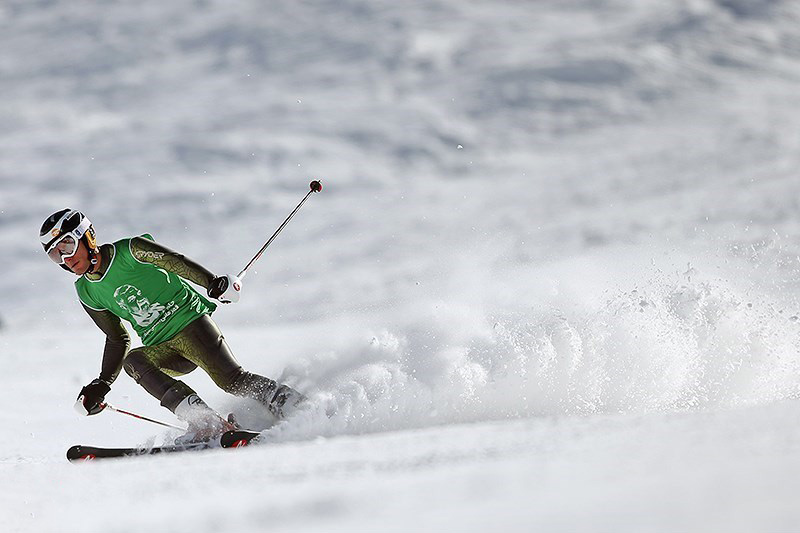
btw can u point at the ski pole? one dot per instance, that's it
(316, 186)
(140, 417)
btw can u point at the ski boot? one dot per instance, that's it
(204, 423)
(285, 401)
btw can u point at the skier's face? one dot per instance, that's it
(79, 263)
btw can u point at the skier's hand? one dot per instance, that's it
(226, 289)
(90, 399)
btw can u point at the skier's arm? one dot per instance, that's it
(148, 251)
(117, 343)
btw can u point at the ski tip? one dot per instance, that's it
(238, 443)
(77, 453)
(238, 438)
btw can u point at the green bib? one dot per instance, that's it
(157, 303)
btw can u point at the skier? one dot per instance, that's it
(144, 283)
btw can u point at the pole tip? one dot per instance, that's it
(316, 186)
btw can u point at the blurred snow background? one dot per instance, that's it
(552, 280)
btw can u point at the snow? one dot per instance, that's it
(551, 283)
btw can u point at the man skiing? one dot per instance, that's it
(140, 281)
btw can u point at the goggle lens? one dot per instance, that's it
(62, 249)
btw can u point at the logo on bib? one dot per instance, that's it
(130, 299)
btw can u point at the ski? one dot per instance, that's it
(81, 452)
(229, 439)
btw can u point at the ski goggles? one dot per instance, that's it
(64, 245)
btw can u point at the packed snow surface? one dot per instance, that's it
(551, 284)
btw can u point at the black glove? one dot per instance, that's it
(217, 286)
(93, 395)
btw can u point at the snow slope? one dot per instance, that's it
(552, 282)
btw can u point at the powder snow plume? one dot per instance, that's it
(680, 341)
